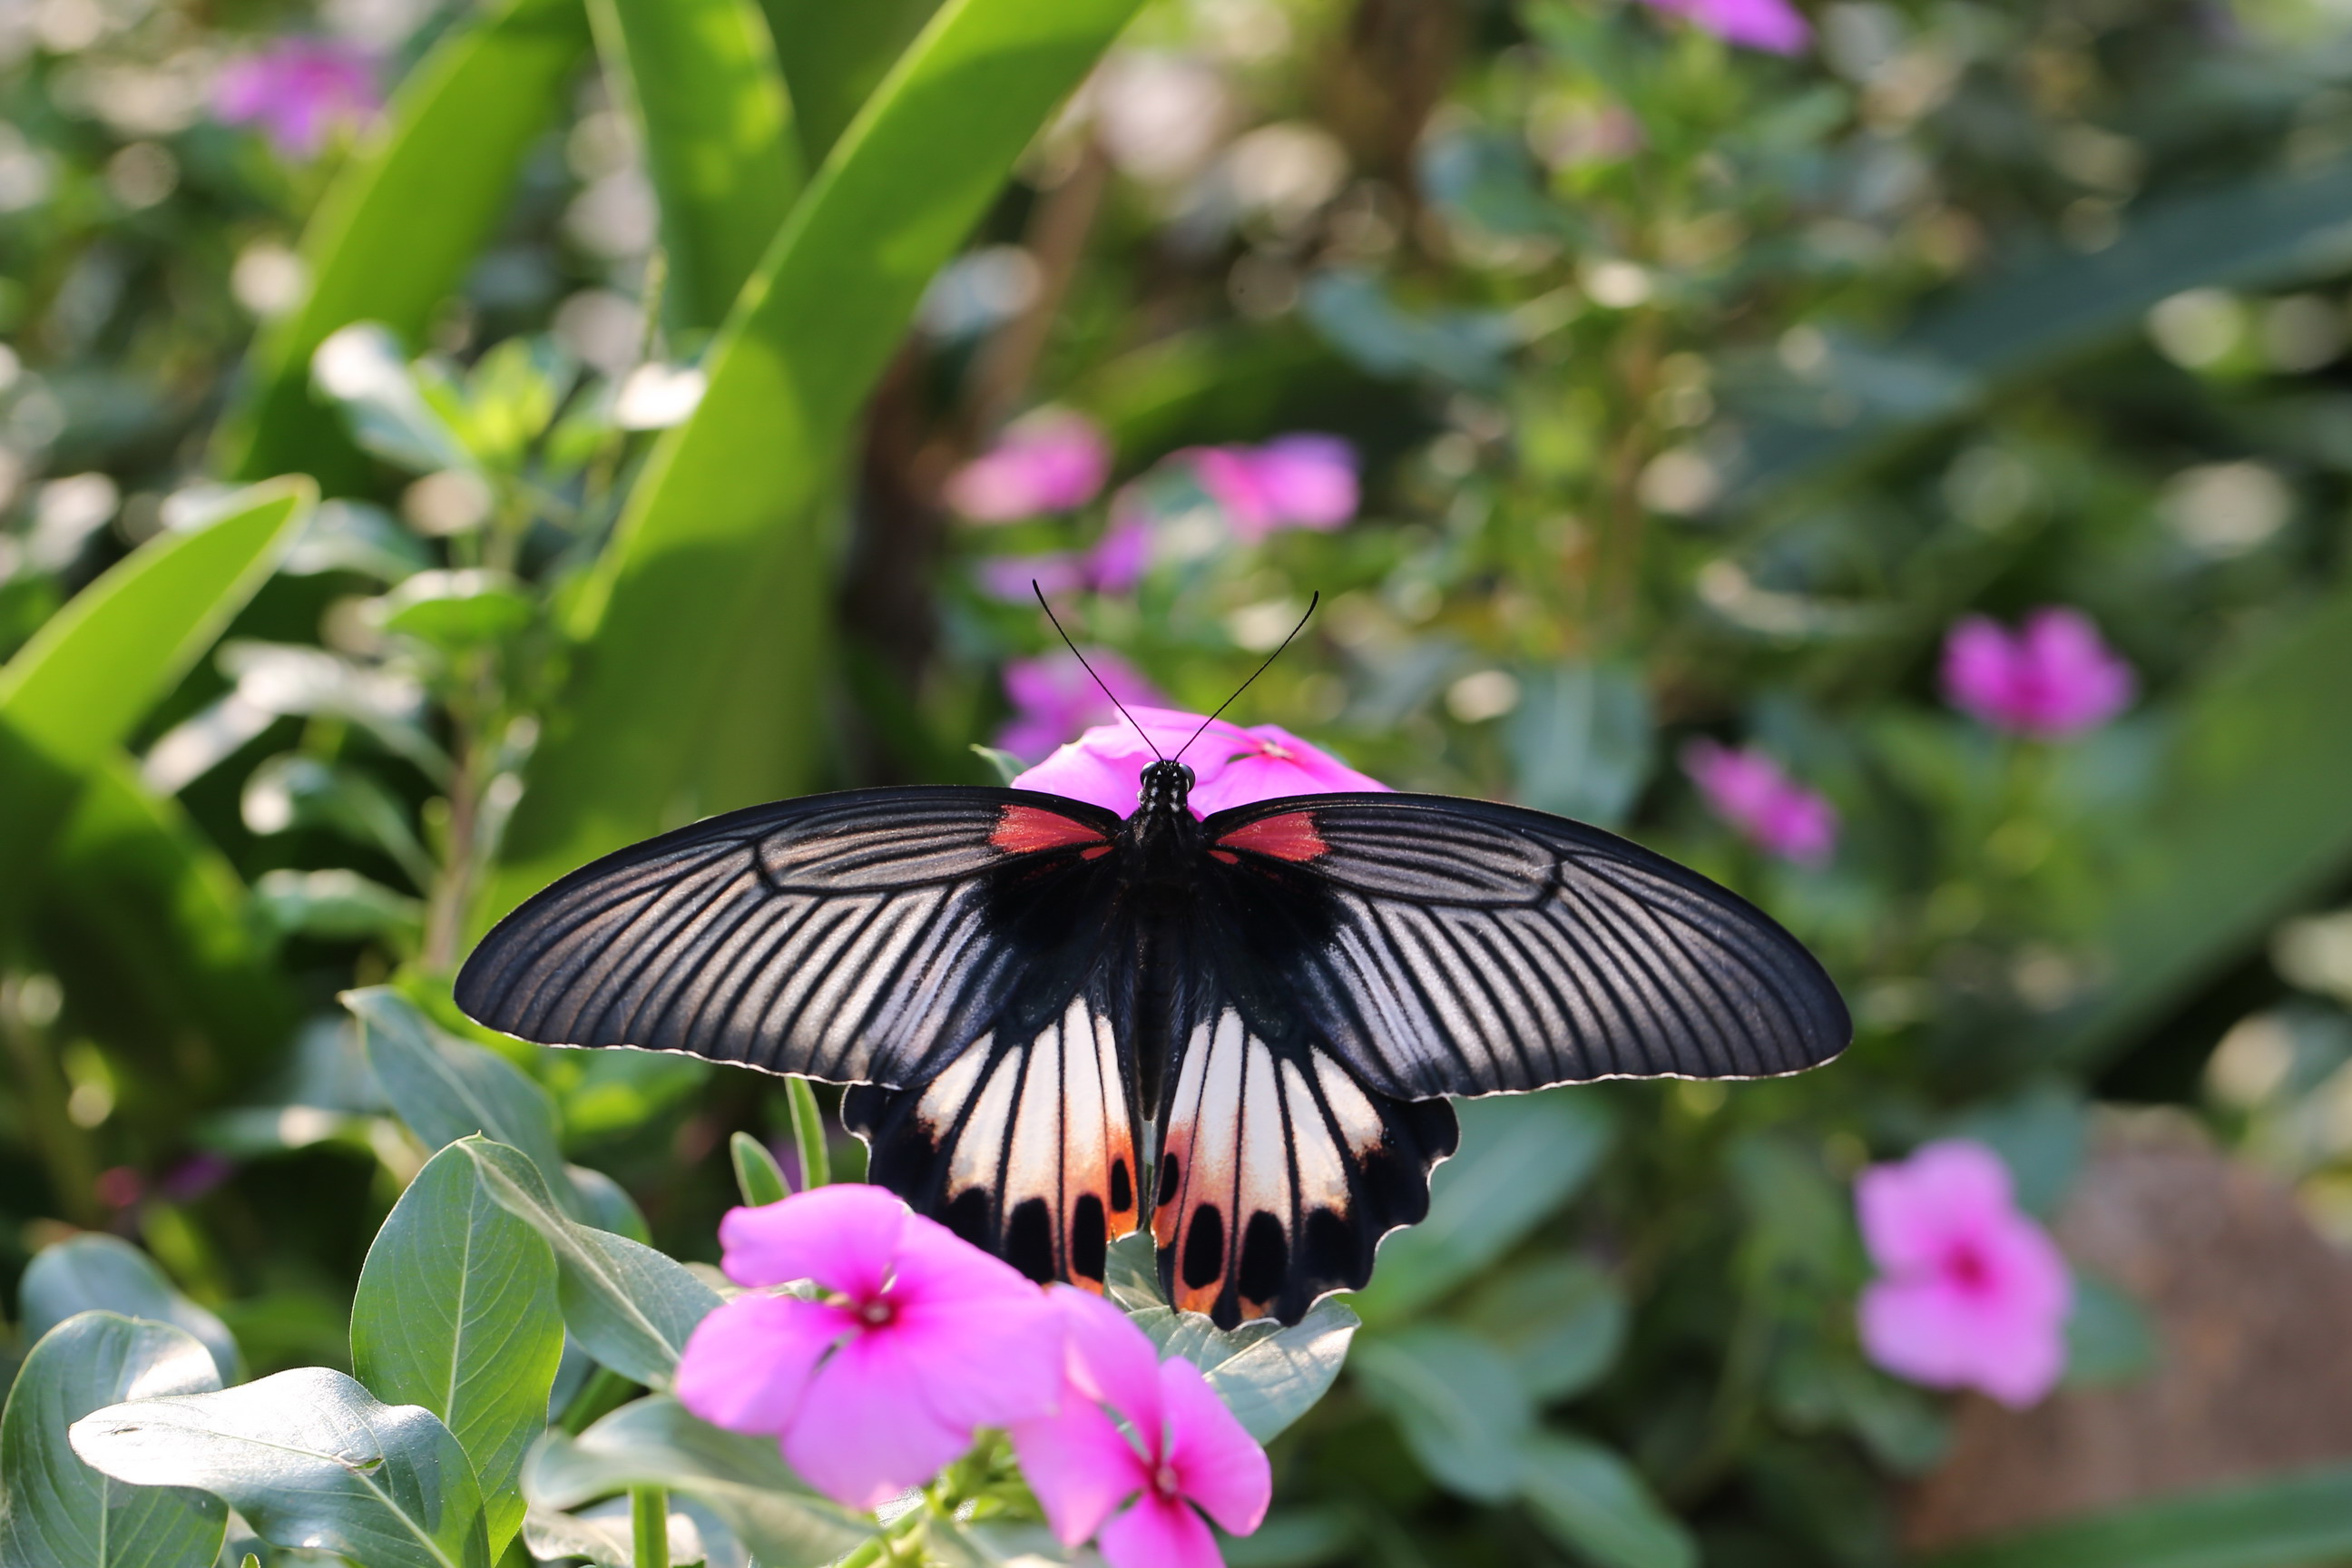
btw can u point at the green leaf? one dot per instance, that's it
(723, 527)
(603, 1535)
(455, 1311)
(720, 143)
(71, 696)
(1582, 741)
(57, 1511)
(1268, 1374)
(756, 1175)
(1458, 1402)
(2040, 1134)
(336, 905)
(1592, 1502)
(2253, 819)
(1522, 1157)
(606, 1204)
(2276, 1522)
(2020, 328)
(106, 1273)
(395, 232)
(629, 1306)
(1562, 1321)
(446, 1088)
(834, 54)
(143, 921)
(656, 1442)
(2108, 1337)
(310, 1459)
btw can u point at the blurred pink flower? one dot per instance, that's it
(1054, 694)
(1292, 481)
(1749, 790)
(918, 1339)
(1115, 565)
(1053, 460)
(299, 90)
(1972, 1292)
(1773, 25)
(1182, 1450)
(1231, 765)
(2052, 678)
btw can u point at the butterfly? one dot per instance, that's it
(1060, 1026)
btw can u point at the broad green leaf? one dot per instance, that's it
(756, 1175)
(603, 1535)
(1593, 1503)
(723, 530)
(1522, 1157)
(1560, 1320)
(310, 1459)
(105, 1273)
(2252, 820)
(446, 1088)
(630, 1306)
(336, 904)
(2108, 1337)
(143, 921)
(1459, 1404)
(1131, 1276)
(57, 1511)
(720, 143)
(455, 1311)
(2008, 331)
(2283, 1522)
(743, 1480)
(606, 1204)
(2040, 1134)
(395, 232)
(71, 696)
(834, 54)
(1268, 1374)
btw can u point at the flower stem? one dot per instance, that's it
(649, 1526)
(808, 1134)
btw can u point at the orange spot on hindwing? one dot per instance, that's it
(1289, 836)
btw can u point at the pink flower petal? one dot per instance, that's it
(1079, 1466)
(1749, 790)
(1908, 1209)
(1111, 1361)
(747, 1364)
(1231, 765)
(1308, 482)
(1218, 1465)
(984, 1343)
(1053, 460)
(865, 1430)
(2054, 678)
(1053, 698)
(844, 1237)
(1159, 1532)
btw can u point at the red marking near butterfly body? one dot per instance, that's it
(1289, 836)
(1026, 829)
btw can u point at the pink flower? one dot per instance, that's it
(1183, 1449)
(1114, 565)
(299, 91)
(1749, 790)
(1292, 481)
(1054, 694)
(1231, 765)
(1053, 460)
(1773, 25)
(1971, 1293)
(918, 1339)
(2055, 676)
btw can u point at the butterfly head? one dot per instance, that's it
(1166, 787)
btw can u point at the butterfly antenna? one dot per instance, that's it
(1261, 670)
(1089, 668)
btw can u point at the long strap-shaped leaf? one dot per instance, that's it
(834, 55)
(719, 138)
(400, 226)
(696, 686)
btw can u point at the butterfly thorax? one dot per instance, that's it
(1161, 845)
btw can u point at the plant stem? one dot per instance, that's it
(808, 1134)
(649, 1526)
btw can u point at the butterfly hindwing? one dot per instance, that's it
(1279, 1172)
(1024, 1144)
(1445, 946)
(869, 935)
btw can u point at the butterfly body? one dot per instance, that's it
(1061, 1026)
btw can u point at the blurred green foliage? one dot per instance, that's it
(1699, 393)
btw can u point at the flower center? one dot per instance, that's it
(1969, 1268)
(876, 1314)
(1164, 1482)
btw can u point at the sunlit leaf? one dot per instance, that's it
(57, 1513)
(1267, 1372)
(106, 1273)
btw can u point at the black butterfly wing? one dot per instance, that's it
(869, 936)
(1445, 946)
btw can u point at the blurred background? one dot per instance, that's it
(1892, 456)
